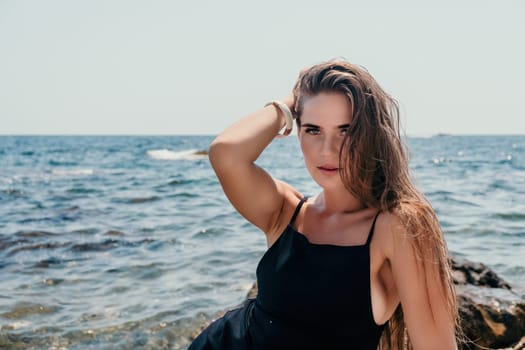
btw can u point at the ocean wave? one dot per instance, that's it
(209, 232)
(136, 200)
(513, 216)
(166, 154)
(66, 172)
(35, 234)
(81, 190)
(184, 195)
(51, 262)
(11, 193)
(108, 244)
(61, 163)
(38, 247)
(6, 180)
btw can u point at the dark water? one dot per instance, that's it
(119, 242)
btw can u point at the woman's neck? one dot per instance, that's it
(338, 202)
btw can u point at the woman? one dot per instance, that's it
(361, 265)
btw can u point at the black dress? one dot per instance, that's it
(311, 296)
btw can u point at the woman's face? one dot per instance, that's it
(324, 123)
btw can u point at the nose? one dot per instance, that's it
(330, 145)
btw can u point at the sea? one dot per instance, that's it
(121, 242)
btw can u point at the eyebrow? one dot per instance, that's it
(343, 126)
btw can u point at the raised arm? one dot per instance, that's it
(429, 323)
(252, 191)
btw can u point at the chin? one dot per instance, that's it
(326, 182)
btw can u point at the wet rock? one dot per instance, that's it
(25, 309)
(478, 274)
(492, 312)
(491, 317)
(519, 346)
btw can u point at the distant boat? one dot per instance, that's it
(441, 134)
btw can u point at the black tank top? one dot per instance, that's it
(313, 296)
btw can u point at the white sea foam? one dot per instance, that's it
(6, 180)
(19, 324)
(166, 154)
(65, 172)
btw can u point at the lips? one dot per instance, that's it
(326, 167)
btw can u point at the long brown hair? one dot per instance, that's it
(375, 168)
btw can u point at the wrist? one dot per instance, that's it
(289, 101)
(285, 114)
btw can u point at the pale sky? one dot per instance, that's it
(194, 67)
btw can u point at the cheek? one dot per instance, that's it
(304, 146)
(308, 150)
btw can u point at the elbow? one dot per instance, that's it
(219, 152)
(213, 151)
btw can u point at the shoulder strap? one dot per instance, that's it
(301, 202)
(371, 233)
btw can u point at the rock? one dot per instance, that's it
(467, 272)
(491, 317)
(519, 346)
(492, 313)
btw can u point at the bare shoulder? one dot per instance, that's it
(390, 231)
(291, 197)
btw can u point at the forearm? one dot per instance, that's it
(247, 138)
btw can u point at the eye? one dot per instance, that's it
(344, 131)
(312, 131)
